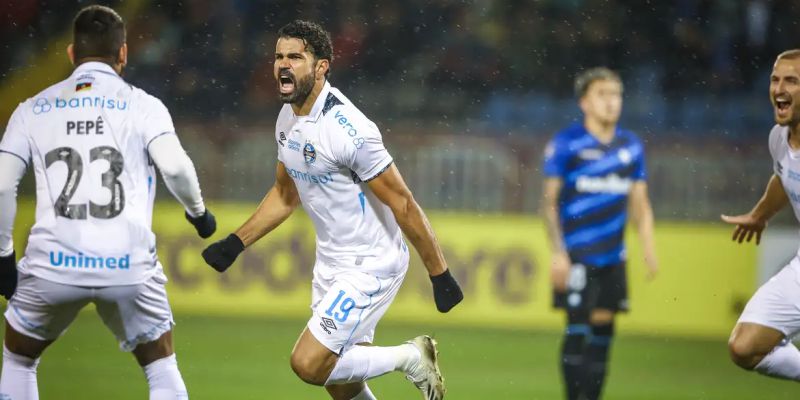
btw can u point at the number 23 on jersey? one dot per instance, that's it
(109, 180)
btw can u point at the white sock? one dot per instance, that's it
(18, 379)
(782, 362)
(165, 380)
(365, 394)
(360, 363)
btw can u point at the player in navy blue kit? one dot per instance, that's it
(594, 176)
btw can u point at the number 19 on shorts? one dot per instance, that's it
(345, 304)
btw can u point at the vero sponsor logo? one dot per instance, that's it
(343, 121)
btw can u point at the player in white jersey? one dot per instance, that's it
(331, 159)
(761, 340)
(92, 141)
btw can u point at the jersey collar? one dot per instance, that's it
(594, 138)
(319, 103)
(95, 66)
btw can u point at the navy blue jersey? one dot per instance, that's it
(593, 201)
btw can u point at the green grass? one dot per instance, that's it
(247, 358)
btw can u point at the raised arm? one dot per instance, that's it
(390, 189)
(275, 208)
(755, 221)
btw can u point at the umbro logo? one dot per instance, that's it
(282, 139)
(779, 168)
(327, 325)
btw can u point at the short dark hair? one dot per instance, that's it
(586, 78)
(316, 39)
(98, 32)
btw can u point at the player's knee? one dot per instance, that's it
(601, 317)
(147, 353)
(743, 354)
(17, 343)
(17, 349)
(309, 370)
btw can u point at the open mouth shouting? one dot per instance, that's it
(286, 82)
(783, 106)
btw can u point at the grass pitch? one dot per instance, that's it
(248, 358)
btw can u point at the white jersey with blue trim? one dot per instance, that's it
(786, 165)
(331, 154)
(86, 139)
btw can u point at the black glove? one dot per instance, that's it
(8, 275)
(446, 292)
(220, 255)
(205, 223)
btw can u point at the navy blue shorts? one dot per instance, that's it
(590, 288)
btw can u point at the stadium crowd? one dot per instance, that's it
(506, 64)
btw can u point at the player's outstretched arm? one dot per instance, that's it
(275, 208)
(181, 179)
(560, 262)
(754, 222)
(642, 218)
(11, 171)
(390, 188)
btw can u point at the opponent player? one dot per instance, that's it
(761, 339)
(92, 140)
(594, 175)
(331, 159)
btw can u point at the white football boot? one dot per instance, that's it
(426, 375)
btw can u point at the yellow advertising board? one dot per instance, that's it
(501, 262)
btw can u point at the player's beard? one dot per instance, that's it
(302, 88)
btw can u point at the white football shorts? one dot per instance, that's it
(135, 314)
(776, 304)
(347, 305)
